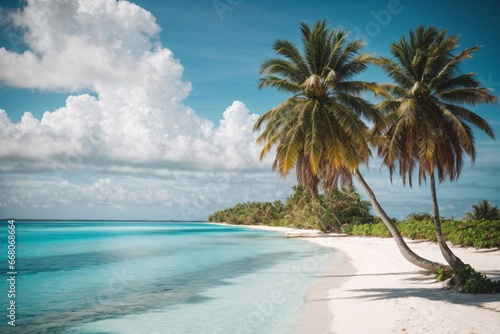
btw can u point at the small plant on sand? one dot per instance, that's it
(468, 280)
(443, 274)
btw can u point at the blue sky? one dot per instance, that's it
(144, 109)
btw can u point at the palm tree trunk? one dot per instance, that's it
(448, 255)
(407, 253)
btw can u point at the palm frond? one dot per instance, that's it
(283, 68)
(397, 73)
(471, 118)
(471, 96)
(451, 69)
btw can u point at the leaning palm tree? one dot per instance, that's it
(319, 129)
(483, 210)
(428, 122)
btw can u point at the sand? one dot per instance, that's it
(373, 289)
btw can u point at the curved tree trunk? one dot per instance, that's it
(407, 253)
(448, 255)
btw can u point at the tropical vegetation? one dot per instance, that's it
(337, 211)
(345, 212)
(466, 233)
(418, 216)
(483, 210)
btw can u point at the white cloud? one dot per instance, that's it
(128, 147)
(136, 116)
(75, 44)
(173, 195)
(234, 136)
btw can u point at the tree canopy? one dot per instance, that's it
(483, 210)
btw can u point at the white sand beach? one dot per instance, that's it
(373, 289)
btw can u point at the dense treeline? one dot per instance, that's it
(329, 212)
(344, 211)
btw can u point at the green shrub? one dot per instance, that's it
(364, 230)
(470, 281)
(443, 274)
(418, 230)
(372, 230)
(481, 234)
(347, 228)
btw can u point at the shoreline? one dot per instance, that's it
(373, 289)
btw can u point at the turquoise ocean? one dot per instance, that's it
(157, 277)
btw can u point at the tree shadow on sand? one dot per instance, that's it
(436, 293)
(432, 294)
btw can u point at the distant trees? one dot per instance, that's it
(418, 217)
(329, 212)
(249, 213)
(346, 206)
(483, 210)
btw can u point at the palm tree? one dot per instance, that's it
(428, 123)
(319, 129)
(483, 210)
(347, 207)
(418, 217)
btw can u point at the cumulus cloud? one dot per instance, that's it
(77, 44)
(182, 195)
(134, 113)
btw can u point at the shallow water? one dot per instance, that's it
(157, 277)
